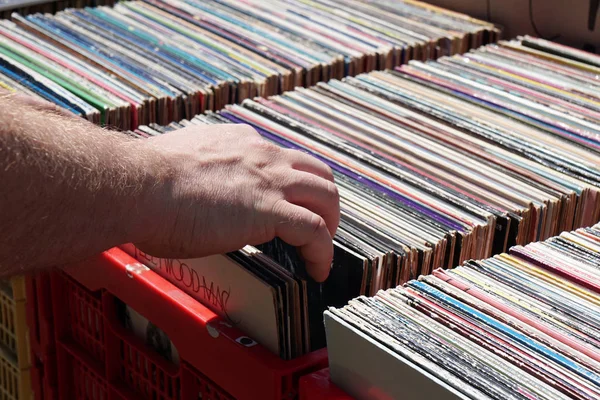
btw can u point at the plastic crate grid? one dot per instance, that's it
(87, 384)
(145, 376)
(8, 336)
(15, 384)
(202, 387)
(138, 372)
(15, 360)
(86, 320)
(94, 356)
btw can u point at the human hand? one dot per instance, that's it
(223, 187)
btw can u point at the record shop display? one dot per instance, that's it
(158, 61)
(437, 163)
(24, 7)
(522, 325)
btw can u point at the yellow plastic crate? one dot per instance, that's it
(14, 335)
(15, 383)
(15, 357)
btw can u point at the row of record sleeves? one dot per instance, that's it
(522, 325)
(158, 61)
(436, 163)
(25, 7)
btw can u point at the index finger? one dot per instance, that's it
(306, 230)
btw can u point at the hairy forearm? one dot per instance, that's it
(68, 188)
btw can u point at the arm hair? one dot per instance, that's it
(69, 189)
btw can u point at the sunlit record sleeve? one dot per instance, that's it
(137, 62)
(230, 50)
(588, 254)
(550, 278)
(501, 364)
(167, 60)
(232, 32)
(549, 281)
(66, 61)
(12, 85)
(357, 334)
(414, 336)
(316, 133)
(508, 349)
(532, 92)
(136, 33)
(498, 103)
(560, 308)
(499, 327)
(311, 31)
(586, 237)
(83, 55)
(522, 313)
(537, 112)
(386, 58)
(499, 150)
(585, 279)
(562, 51)
(530, 81)
(528, 308)
(48, 89)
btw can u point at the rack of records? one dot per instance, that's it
(523, 325)
(24, 7)
(158, 61)
(436, 163)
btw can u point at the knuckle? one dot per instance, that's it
(310, 180)
(247, 129)
(262, 145)
(327, 169)
(316, 224)
(332, 191)
(277, 207)
(287, 182)
(294, 184)
(269, 147)
(255, 140)
(296, 154)
(266, 183)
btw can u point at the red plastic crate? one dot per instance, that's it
(41, 336)
(97, 358)
(39, 315)
(318, 386)
(41, 384)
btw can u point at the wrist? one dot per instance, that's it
(150, 204)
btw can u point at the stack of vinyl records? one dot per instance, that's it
(524, 325)
(436, 163)
(158, 61)
(24, 7)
